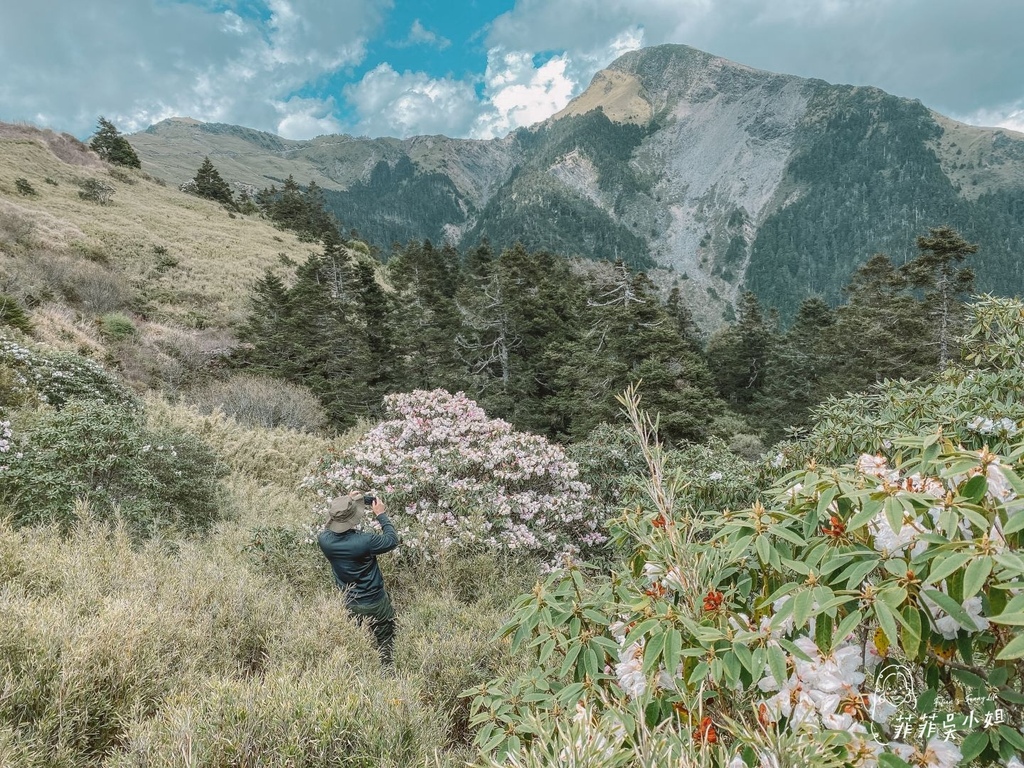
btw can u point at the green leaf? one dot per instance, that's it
(1013, 650)
(777, 664)
(761, 547)
(732, 666)
(893, 513)
(801, 608)
(952, 607)
(784, 533)
(746, 658)
(570, 660)
(640, 630)
(944, 565)
(1012, 736)
(673, 644)
(846, 626)
(889, 760)
(973, 745)
(1012, 619)
(887, 621)
(653, 651)
(974, 489)
(976, 574)
(911, 631)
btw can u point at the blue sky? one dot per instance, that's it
(478, 69)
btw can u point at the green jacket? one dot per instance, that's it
(353, 559)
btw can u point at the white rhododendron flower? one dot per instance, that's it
(876, 466)
(890, 542)
(946, 625)
(936, 754)
(999, 488)
(629, 670)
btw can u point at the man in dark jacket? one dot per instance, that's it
(353, 558)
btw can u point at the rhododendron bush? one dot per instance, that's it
(452, 477)
(862, 614)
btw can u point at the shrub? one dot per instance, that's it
(51, 182)
(978, 406)
(95, 191)
(464, 480)
(117, 327)
(152, 479)
(262, 401)
(860, 614)
(123, 176)
(13, 314)
(24, 187)
(57, 377)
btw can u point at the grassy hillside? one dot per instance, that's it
(183, 260)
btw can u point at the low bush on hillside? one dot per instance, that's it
(95, 191)
(13, 314)
(117, 326)
(24, 187)
(262, 401)
(151, 479)
(54, 378)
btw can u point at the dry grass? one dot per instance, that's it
(217, 257)
(186, 652)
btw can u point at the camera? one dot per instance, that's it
(368, 499)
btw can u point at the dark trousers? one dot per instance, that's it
(380, 616)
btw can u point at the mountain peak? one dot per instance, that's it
(643, 83)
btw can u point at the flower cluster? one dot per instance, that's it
(824, 691)
(463, 479)
(1003, 427)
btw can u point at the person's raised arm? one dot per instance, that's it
(387, 539)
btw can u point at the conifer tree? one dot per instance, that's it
(628, 337)
(796, 374)
(112, 146)
(315, 334)
(738, 354)
(937, 272)
(209, 184)
(880, 332)
(426, 280)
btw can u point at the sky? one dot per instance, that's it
(472, 69)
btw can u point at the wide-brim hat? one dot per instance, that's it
(346, 512)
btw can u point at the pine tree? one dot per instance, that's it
(797, 371)
(112, 146)
(937, 272)
(628, 337)
(738, 354)
(209, 184)
(316, 334)
(881, 331)
(426, 280)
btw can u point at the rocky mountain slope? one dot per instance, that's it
(722, 176)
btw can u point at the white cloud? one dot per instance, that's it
(420, 35)
(305, 118)
(1008, 116)
(519, 93)
(137, 62)
(411, 103)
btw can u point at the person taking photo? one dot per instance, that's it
(352, 554)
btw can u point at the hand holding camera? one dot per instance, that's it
(375, 504)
